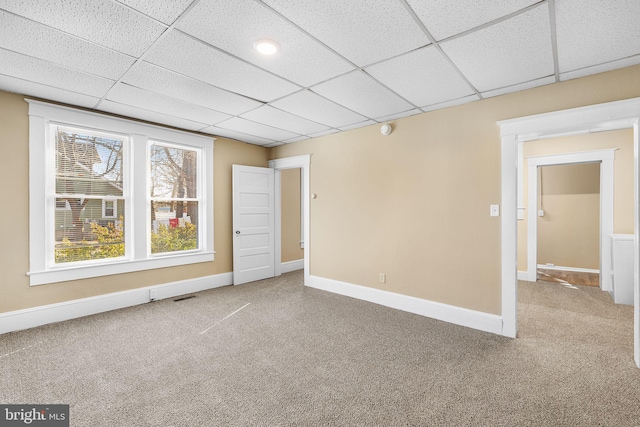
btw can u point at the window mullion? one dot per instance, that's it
(140, 197)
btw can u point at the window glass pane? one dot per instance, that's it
(173, 172)
(88, 164)
(172, 231)
(174, 212)
(82, 234)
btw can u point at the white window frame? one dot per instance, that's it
(104, 208)
(137, 206)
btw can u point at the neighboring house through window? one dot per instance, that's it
(117, 195)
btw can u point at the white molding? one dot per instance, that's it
(509, 233)
(52, 313)
(448, 313)
(111, 267)
(606, 158)
(523, 275)
(289, 266)
(594, 118)
(563, 268)
(277, 215)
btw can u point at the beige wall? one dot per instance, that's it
(569, 231)
(415, 204)
(290, 191)
(622, 140)
(15, 292)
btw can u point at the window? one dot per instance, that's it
(174, 198)
(109, 208)
(117, 195)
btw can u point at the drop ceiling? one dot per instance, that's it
(341, 64)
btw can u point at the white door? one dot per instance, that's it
(253, 224)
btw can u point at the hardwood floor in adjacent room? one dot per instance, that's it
(572, 277)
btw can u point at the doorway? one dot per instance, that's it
(594, 118)
(269, 251)
(605, 159)
(568, 206)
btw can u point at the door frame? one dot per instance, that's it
(594, 118)
(303, 162)
(605, 158)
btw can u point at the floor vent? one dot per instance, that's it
(184, 298)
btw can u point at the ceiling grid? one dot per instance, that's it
(341, 65)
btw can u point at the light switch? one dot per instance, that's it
(495, 210)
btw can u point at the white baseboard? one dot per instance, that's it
(287, 267)
(576, 269)
(37, 316)
(448, 313)
(523, 275)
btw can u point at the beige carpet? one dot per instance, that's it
(276, 353)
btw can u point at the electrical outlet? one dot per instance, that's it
(383, 278)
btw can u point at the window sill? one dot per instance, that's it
(64, 274)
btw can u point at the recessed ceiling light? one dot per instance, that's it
(266, 46)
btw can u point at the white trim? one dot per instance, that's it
(137, 211)
(608, 116)
(52, 313)
(118, 266)
(509, 232)
(289, 266)
(563, 268)
(523, 275)
(304, 162)
(605, 158)
(277, 214)
(448, 313)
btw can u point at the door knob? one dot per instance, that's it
(237, 231)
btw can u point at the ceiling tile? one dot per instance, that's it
(23, 87)
(591, 32)
(522, 86)
(258, 129)
(359, 92)
(453, 103)
(318, 109)
(185, 55)
(213, 130)
(104, 22)
(149, 116)
(39, 71)
(135, 97)
(156, 79)
(301, 59)
(363, 31)
(163, 11)
(31, 38)
(510, 52)
(423, 77)
(601, 68)
(281, 119)
(444, 18)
